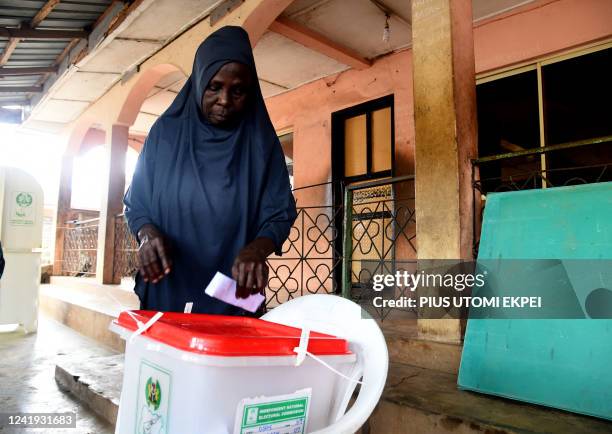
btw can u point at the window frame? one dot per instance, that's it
(338, 151)
(537, 65)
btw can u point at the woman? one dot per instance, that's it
(211, 190)
(1, 261)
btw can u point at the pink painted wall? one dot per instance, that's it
(308, 111)
(542, 29)
(535, 30)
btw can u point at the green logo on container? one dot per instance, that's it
(24, 200)
(153, 393)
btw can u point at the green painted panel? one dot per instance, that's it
(561, 363)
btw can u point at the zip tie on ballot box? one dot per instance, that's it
(142, 327)
(126, 310)
(302, 352)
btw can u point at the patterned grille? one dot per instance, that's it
(80, 248)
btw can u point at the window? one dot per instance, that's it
(563, 101)
(508, 122)
(363, 140)
(576, 102)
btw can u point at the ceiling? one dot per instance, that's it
(26, 62)
(312, 39)
(127, 34)
(284, 63)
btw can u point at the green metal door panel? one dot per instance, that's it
(562, 363)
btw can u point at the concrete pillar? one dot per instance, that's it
(446, 134)
(63, 208)
(112, 201)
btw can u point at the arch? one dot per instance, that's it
(137, 95)
(79, 133)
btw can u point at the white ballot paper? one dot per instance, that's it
(224, 288)
(281, 414)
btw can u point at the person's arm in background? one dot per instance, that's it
(1, 260)
(277, 213)
(154, 260)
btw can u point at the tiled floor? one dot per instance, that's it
(27, 366)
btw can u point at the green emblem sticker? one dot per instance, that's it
(153, 393)
(23, 211)
(24, 199)
(154, 389)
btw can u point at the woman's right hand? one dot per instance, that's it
(154, 260)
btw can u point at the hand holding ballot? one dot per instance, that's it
(250, 270)
(223, 288)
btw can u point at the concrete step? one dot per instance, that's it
(425, 401)
(95, 382)
(410, 350)
(87, 307)
(126, 285)
(415, 400)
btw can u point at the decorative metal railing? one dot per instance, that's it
(310, 261)
(80, 248)
(382, 240)
(125, 261)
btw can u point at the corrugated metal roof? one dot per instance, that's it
(27, 53)
(67, 14)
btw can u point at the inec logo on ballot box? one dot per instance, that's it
(153, 393)
(153, 399)
(22, 212)
(24, 200)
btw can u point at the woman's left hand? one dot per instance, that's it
(250, 270)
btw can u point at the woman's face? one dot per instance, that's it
(227, 95)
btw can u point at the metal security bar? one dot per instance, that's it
(539, 177)
(80, 248)
(549, 177)
(576, 175)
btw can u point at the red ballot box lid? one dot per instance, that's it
(233, 336)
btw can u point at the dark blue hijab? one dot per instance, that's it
(211, 191)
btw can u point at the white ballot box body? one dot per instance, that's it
(21, 215)
(196, 379)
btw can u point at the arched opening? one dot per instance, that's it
(158, 98)
(88, 179)
(78, 208)
(150, 96)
